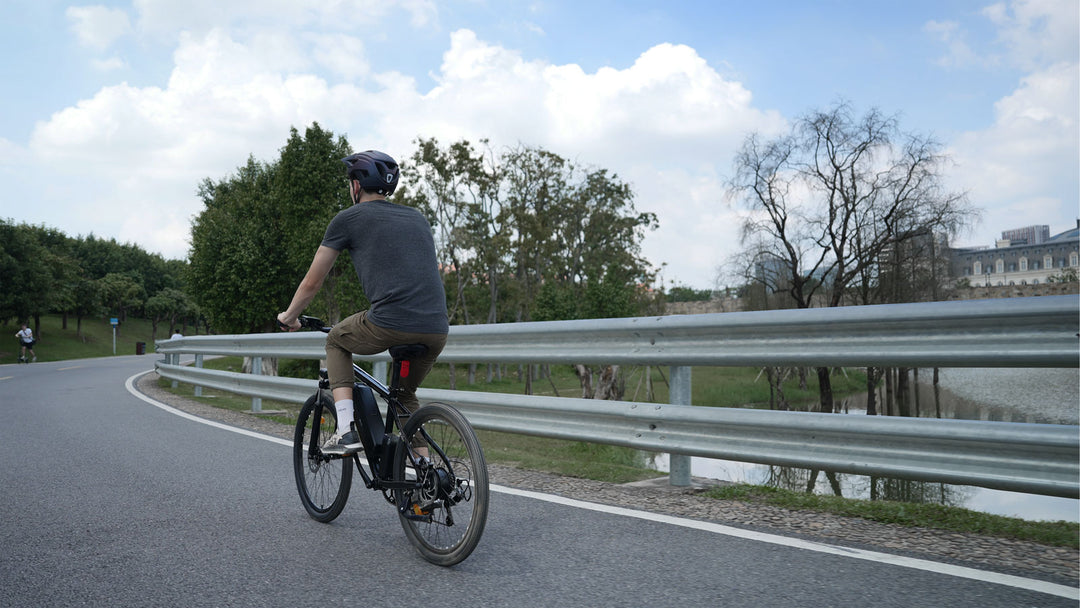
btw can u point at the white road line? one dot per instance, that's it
(704, 526)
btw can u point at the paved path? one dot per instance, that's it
(110, 500)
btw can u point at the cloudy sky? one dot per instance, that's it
(114, 112)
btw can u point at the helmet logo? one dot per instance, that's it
(389, 178)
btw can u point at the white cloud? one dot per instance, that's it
(108, 65)
(1023, 168)
(667, 124)
(342, 54)
(98, 27)
(1037, 32)
(959, 54)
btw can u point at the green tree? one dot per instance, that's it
(456, 187)
(86, 303)
(120, 293)
(24, 272)
(238, 270)
(310, 188)
(526, 228)
(167, 305)
(683, 293)
(259, 229)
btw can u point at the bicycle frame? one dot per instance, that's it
(379, 479)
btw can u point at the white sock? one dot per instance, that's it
(344, 415)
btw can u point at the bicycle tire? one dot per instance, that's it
(438, 529)
(323, 483)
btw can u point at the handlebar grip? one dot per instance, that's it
(306, 322)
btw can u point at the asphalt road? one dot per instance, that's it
(107, 500)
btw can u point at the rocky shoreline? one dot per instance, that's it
(1020, 558)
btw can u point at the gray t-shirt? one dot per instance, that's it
(393, 253)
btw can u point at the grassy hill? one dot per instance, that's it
(58, 344)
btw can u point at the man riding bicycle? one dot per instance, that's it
(393, 253)
(26, 342)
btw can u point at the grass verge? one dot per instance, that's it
(58, 343)
(922, 515)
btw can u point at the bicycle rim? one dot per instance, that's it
(445, 518)
(323, 483)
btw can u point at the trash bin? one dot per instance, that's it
(140, 348)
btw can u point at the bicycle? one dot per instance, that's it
(22, 354)
(431, 468)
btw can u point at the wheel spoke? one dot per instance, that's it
(323, 483)
(453, 493)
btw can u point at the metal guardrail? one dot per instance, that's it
(1021, 332)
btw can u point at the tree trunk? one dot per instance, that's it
(612, 387)
(781, 400)
(937, 393)
(584, 375)
(871, 385)
(772, 386)
(825, 387)
(269, 366)
(903, 391)
(834, 482)
(915, 391)
(890, 398)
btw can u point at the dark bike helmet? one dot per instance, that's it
(377, 172)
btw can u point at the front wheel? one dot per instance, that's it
(445, 516)
(323, 482)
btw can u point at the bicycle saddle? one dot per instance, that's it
(408, 351)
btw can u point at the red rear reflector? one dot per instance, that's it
(404, 369)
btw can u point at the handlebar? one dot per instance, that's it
(307, 322)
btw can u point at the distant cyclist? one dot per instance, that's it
(393, 253)
(26, 341)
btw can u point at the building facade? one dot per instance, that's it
(1028, 235)
(1027, 258)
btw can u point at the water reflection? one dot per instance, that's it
(998, 502)
(1046, 396)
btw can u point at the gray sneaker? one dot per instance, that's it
(342, 445)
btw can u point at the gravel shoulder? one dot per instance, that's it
(1020, 558)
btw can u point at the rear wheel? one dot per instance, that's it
(443, 518)
(323, 482)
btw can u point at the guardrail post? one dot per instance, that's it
(679, 394)
(256, 369)
(198, 364)
(173, 359)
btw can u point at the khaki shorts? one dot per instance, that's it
(358, 335)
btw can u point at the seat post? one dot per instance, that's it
(403, 356)
(395, 378)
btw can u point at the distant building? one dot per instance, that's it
(1024, 256)
(1030, 235)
